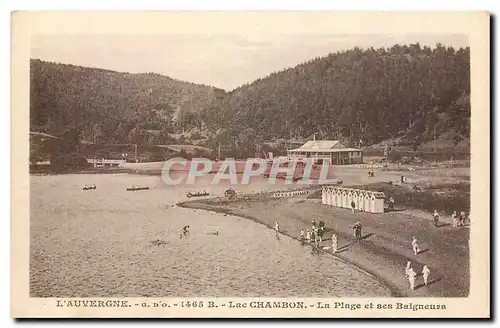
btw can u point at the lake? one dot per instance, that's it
(99, 243)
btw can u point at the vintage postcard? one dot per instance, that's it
(250, 165)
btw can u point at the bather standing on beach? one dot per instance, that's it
(414, 244)
(277, 228)
(425, 273)
(412, 275)
(317, 243)
(321, 230)
(308, 235)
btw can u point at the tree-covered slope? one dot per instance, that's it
(115, 107)
(411, 95)
(405, 93)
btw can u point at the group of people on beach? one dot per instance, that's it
(411, 275)
(316, 233)
(457, 220)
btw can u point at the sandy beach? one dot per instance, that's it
(385, 246)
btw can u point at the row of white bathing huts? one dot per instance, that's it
(364, 200)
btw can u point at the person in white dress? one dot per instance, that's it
(416, 248)
(426, 273)
(277, 228)
(412, 275)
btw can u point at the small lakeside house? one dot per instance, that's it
(334, 150)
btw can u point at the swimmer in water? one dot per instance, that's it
(184, 232)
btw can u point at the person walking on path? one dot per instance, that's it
(425, 273)
(435, 215)
(313, 235)
(334, 243)
(321, 224)
(414, 244)
(412, 275)
(357, 230)
(461, 221)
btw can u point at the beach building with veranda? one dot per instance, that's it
(334, 150)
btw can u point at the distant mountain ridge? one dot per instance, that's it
(111, 106)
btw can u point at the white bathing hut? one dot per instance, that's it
(324, 195)
(329, 196)
(338, 197)
(377, 202)
(368, 200)
(345, 204)
(332, 197)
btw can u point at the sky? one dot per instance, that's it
(225, 61)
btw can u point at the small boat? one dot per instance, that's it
(89, 187)
(137, 188)
(197, 194)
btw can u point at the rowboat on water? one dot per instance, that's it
(197, 194)
(137, 188)
(89, 187)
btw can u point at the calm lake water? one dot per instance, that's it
(99, 243)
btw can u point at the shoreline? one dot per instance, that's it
(378, 254)
(196, 204)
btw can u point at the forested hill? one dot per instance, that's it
(405, 93)
(410, 95)
(114, 107)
